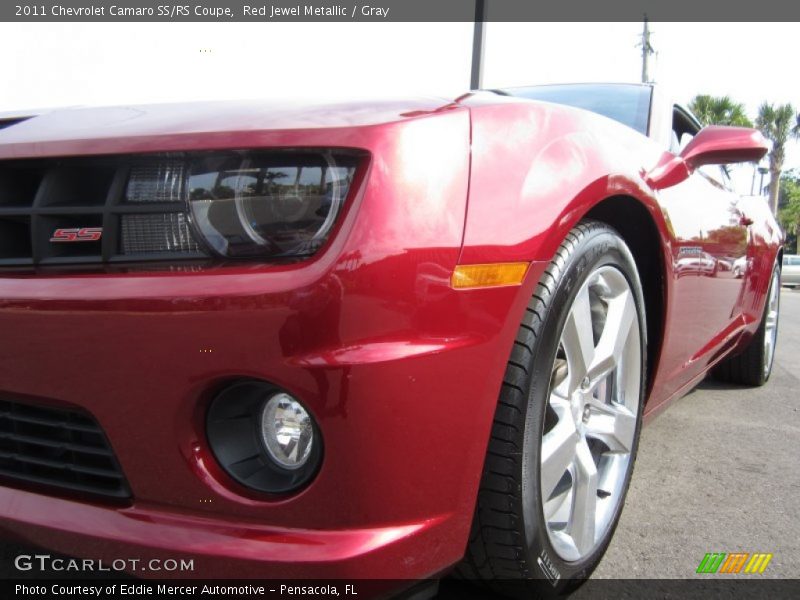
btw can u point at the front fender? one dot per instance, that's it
(537, 168)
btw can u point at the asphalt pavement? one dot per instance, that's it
(717, 472)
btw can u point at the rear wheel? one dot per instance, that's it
(753, 366)
(566, 427)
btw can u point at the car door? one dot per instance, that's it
(710, 232)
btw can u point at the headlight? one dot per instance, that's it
(268, 203)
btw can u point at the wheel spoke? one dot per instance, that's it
(581, 527)
(772, 319)
(610, 471)
(558, 452)
(621, 313)
(558, 506)
(769, 351)
(577, 339)
(612, 424)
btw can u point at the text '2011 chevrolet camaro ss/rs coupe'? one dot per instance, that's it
(385, 339)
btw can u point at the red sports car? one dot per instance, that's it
(380, 339)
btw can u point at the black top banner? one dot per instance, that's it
(396, 10)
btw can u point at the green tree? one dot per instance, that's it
(789, 212)
(779, 124)
(719, 110)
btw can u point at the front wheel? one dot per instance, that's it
(567, 423)
(753, 365)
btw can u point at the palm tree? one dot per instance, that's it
(719, 110)
(789, 214)
(779, 124)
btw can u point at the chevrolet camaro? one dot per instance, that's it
(389, 339)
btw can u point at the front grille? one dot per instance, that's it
(64, 449)
(142, 234)
(94, 210)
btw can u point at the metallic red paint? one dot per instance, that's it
(401, 371)
(713, 145)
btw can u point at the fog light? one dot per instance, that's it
(264, 438)
(287, 431)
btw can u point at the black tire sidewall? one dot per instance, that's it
(600, 247)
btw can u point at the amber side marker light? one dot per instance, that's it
(492, 275)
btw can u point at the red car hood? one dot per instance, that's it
(144, 128)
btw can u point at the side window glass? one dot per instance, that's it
(683, 130)
(674, 143)
(715, 174)
(685, 138)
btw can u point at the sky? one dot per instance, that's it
(63, 64)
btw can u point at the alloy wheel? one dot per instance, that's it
(771, 323)
(590, 425)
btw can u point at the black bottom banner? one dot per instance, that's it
(362, 589)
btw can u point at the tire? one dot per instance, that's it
(512, 548)
(753, 366)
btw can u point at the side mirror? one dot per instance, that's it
(714, 145)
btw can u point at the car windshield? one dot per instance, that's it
(628, 104)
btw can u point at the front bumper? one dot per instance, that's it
(150, 542)
(404, 392)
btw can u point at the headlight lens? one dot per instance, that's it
(268, 204)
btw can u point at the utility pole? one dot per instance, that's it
(647, 50)
(478, 38)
